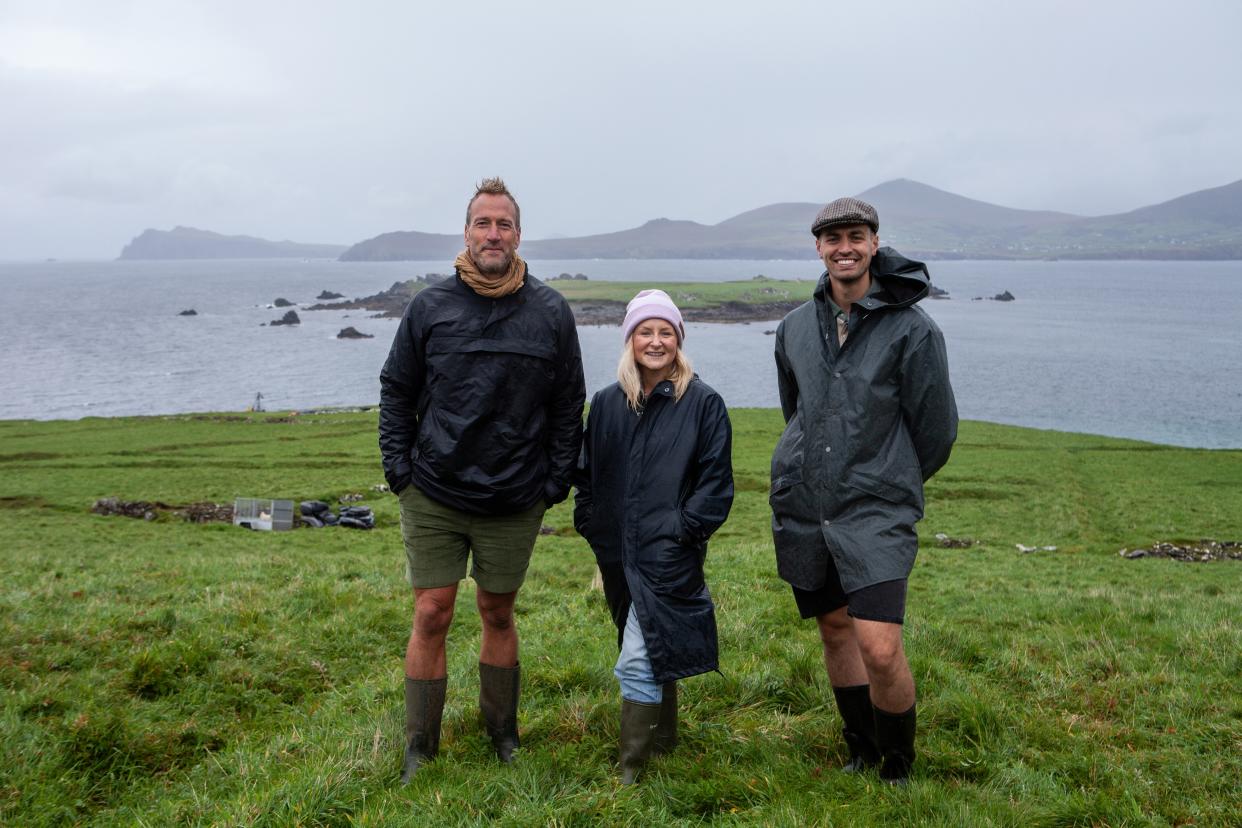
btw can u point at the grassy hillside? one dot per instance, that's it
(691, 295)
(160, 672)
(603, 302)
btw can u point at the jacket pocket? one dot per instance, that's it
(882, 489)
(787, 459)
(783, 488)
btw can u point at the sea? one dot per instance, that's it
(1144, 350)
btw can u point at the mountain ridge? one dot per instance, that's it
(920, 220)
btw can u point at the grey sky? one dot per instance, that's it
(333, 122)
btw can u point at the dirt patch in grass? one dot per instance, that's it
(236, 418)
(1204, 550)
(28, 455)
(22, 502)
(951, 492)
(202, 512)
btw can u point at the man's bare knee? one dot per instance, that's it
(496, 609)
(432, 616)
(836, 629)
(882, 653)
(498, 621)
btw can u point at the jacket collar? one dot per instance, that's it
(901, 282)
(664, 388)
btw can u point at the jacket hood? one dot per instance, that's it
(903, 282)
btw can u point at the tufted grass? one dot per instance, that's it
(160, 673)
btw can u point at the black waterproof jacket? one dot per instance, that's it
(651, 491)
(867, 422)
(481, 399)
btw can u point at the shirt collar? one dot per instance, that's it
(835, 311)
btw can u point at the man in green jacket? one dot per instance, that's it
(870, 416)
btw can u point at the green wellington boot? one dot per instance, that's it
(498, 702)
(424, 706)
(638, 728)
(666, 730)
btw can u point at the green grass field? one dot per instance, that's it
(759, 290)
(692, 294)
(164, 673)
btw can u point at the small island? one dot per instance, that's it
(603, 303)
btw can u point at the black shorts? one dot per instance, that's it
(885, 601)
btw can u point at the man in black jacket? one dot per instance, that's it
(480, 425)
(870, 416)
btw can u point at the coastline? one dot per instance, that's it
(119, 346)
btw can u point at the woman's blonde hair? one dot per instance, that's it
(631, 381)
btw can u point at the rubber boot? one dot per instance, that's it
(858, 726)
(498, 702)
(666, 730)
(895, 737)
(424, 706)
(638, 727)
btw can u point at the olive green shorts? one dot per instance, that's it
(438, 539)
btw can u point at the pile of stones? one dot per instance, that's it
(1205, 550)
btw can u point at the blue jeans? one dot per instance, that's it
(633, 668)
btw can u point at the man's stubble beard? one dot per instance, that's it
(495, 270)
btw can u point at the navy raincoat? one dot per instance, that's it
(651, 491)
(481, 399)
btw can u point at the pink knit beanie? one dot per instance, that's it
(652, 304)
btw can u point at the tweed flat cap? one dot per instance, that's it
(846, 211)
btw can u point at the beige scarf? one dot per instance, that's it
(493, 287)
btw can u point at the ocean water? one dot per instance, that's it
(1147, 350)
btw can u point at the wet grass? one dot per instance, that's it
(163, 673)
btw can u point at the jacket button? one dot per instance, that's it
(827, 522)
(828, 449)
(837, 374)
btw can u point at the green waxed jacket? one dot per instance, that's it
(866, 424)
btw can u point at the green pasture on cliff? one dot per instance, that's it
(159, 672)
(757, 291)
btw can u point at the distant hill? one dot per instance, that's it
(190, 243)
(1206, 224)
(405, 245)
(917, 219)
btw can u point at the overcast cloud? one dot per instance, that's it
(333, 122)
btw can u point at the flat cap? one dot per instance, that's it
(846, 211)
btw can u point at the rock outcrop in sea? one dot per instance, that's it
(290, 318)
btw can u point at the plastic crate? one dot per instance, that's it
(265, 515)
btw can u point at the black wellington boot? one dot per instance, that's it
(666, 730)
(895, 737)
(498, 702)
(858, 726)
(638, 727)
(424, 706)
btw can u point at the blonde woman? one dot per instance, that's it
(655, 481)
